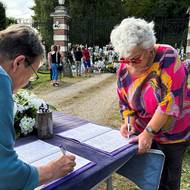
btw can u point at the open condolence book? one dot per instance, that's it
(38, 153)
(101, 138)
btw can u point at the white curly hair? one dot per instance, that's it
(132, 32)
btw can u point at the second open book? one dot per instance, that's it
(101, 138)
(38, 153)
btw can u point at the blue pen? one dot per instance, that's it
(63, 149)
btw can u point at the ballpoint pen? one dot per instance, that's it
(63, 149)
(128, 126)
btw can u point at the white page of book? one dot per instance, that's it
(85, 132)
(36, 150)
(39, 153)
(109, 141)
(80, 161)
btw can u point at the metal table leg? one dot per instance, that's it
(109, 183)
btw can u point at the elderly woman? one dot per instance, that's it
(153, 95)
(20, 54)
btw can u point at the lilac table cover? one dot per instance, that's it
(105, 165)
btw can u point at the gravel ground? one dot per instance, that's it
(93, 99)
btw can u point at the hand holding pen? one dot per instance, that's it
(57, 168)
(127, 129)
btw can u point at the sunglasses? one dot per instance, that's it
(134, 60)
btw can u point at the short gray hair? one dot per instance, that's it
(132, 32)
(18, 40)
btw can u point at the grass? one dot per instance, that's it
(43, 85)
(185, 182)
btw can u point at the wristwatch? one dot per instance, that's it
(150, 130)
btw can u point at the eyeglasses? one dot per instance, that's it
(37, 76)
(30, 65)
(137, 59)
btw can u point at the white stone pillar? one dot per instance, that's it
(188, 37)
(61, 27)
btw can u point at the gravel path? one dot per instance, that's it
(94, 99)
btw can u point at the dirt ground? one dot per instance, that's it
(93, 99)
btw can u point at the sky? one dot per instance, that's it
(18, 8)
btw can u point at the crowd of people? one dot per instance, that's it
(83, 60)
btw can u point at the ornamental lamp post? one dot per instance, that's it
(61, 2)
(61, 21)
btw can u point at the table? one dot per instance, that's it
(105, 165)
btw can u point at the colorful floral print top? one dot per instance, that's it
(161, 88)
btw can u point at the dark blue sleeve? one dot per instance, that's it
(15, 174)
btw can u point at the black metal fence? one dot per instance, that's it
(97, 32)
(172, 31)
(91, 31)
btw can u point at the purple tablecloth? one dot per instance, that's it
(105, 165)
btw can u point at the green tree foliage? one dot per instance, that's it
(93, 20)
(43, 21)
(169, 16)
(2, 17)
(10, 20)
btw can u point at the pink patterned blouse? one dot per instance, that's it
(161, 88)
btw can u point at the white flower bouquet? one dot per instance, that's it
(25, 109)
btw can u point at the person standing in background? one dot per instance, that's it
(60, 64)
(78, 56)
(54, 60)
(86, 61)
(49, 63)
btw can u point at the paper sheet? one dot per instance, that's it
(80, 161)
(85, 132)
(108, 142)
(105, 139)
(39, 153)
(34, 151)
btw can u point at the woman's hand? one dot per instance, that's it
(124, 130)
(144, 141)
